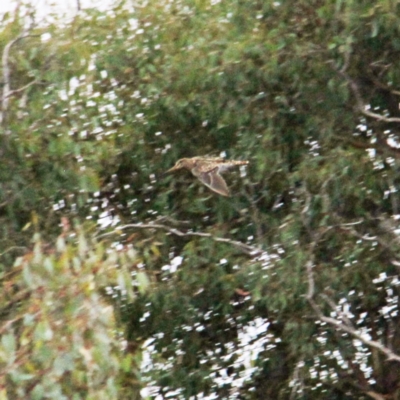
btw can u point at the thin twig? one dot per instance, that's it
(12, 92)
(254, 211)
(13, 248)
(335, 309)
(383, 69)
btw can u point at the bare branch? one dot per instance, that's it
(340, 325)
(386, 226)
(381, 85)
(248, 249)
(254, 210)
(335, 308)
(11, 249)
(7, 92)
(311, 283)
(9, 323)
(382, 69)
(359, 100)
(297, 381)
(371, 343)
(375, 395)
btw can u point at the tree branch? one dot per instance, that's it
(375, 395)
(359, 100)
(248, 249)
(7, 92)
(340, 325)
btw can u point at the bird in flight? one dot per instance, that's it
(208, 170)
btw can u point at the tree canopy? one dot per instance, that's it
(122, 282)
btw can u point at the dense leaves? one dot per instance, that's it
(136, 279)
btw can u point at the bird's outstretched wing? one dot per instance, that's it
(213, 180)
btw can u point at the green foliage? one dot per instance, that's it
(61, 338)
(100, 107)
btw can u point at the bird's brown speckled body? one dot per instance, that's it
(208, 170)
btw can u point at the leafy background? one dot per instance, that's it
(116, 277)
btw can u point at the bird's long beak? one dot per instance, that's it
(174, 168)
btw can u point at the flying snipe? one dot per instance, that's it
(208, 170)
